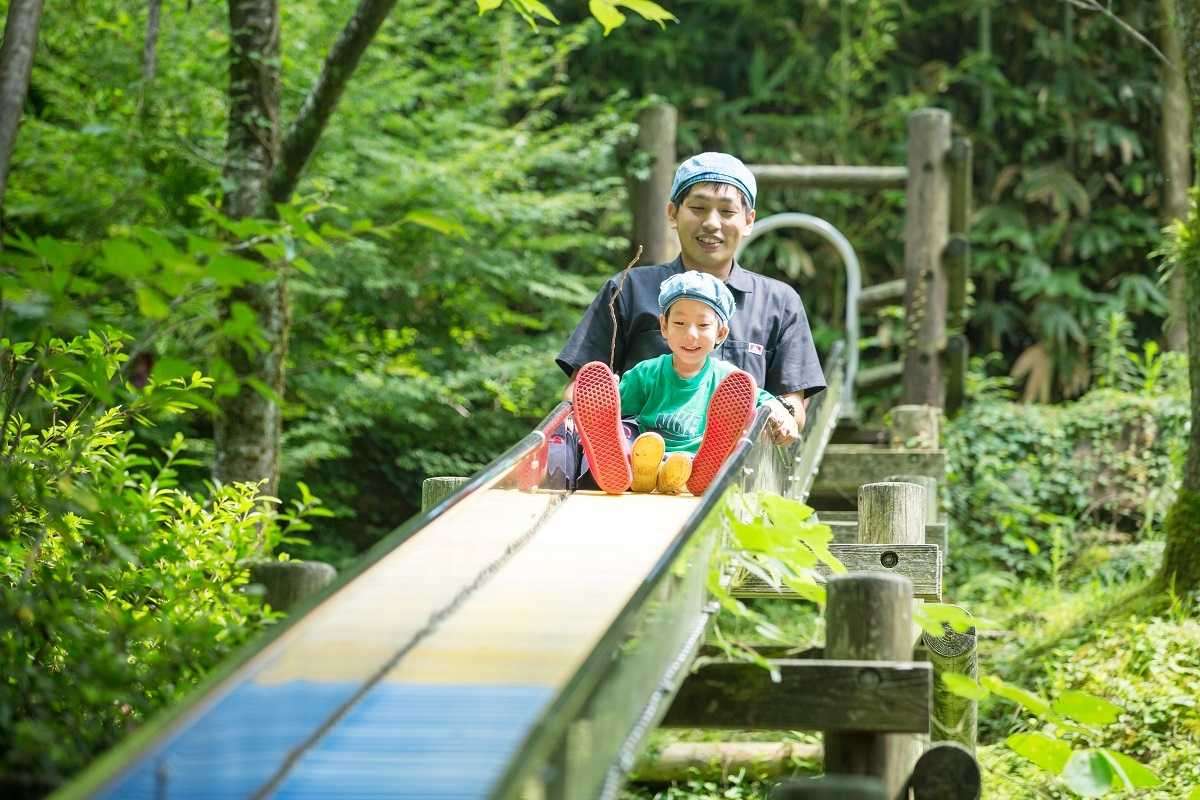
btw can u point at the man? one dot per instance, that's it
(712, 209)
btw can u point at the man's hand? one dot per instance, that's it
(781, 424)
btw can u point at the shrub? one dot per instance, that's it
(119, 589)
(1024, 480)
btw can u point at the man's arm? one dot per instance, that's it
(569, 389)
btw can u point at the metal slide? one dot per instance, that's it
(519, 640)
(516, 641)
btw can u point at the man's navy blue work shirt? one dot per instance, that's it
(769, 335)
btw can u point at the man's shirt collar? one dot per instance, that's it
(739, 278)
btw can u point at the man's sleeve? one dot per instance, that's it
(592, 339)
(795, 366)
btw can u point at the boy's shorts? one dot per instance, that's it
(565, 454)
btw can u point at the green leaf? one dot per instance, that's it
(151, 304)
(168, 369)
(229, 270)
(648, 10)
(125, 259)
(750, 536)
(1132, 774)
(1194, 794)
(606, 14)
(1047, 752)
(1088, 774)
(428, 219)
(958, 618)
(787, 513)
(1086, 708)
(963, 686)
(488, 5)
(1016, 694)
(536, 8)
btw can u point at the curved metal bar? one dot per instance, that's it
(853, 282)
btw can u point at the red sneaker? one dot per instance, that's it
(597, 406)
(729, 412)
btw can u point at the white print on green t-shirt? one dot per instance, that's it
(683, 423)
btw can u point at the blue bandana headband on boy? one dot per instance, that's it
(701, 286)
(714, 168)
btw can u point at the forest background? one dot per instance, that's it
(466, 200)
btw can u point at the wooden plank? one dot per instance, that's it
(831, 695)
(846, 467)
(844, 525)
(880, 293)
(830, 177)
(920, 563)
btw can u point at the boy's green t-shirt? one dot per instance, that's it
(659, 400)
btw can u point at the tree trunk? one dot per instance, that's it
(1181, 559)
(150, 48)
(262, 171)
(248, 428)
(16, 64)
(1176, 154)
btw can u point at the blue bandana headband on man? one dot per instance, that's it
(714, 168)
(694, 285)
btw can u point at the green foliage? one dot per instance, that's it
(1087, 772)
(1028, 482)
(1140, 739)
(118, 588)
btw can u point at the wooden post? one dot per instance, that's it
(286, 583)
(916, 426)
(435, 490)
(830, 787)
(954, 718)
(894, 513)
(946, 771)
(868, 616)
(958, 272)
(926, 230)
(933, 511)
(649, 195)
(891, 513)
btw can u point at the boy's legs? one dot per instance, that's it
(645, 457)
(729, 411)
(597, 407)
(674, 472)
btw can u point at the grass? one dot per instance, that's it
(1105, 629)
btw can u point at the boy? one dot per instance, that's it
(689, 406)
(712, 208)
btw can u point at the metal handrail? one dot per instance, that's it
(741, 470)
(853, 283)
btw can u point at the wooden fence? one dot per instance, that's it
(937, 183)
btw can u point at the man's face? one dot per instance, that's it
(711, 223)
(692, 330)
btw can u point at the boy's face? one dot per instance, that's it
(692, 330)
(711, 223)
